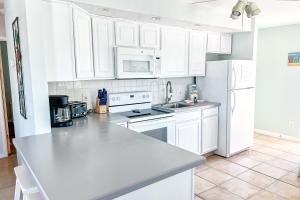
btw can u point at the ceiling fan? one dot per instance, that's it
(207, 1)
(239, 8)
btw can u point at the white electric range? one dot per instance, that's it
(142, 117)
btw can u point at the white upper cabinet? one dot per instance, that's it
(174, 52)
(149, 36)
(219, 43)
(127, 33)
(83, 44)
(103, 43)
(58, 41)
(197, 53)
(226, 40)
(213, 42)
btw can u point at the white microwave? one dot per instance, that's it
(136, 63)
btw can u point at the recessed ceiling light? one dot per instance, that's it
(104, 9)
(155, 18)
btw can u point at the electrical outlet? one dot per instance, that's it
(291, 124)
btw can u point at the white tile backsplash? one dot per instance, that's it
(87, 90)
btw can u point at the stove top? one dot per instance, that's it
(146, 114)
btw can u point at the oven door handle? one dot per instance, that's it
(152, 121)
(151, 124)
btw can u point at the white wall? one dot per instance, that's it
(278, 86)
(34, 72)
(2, 28)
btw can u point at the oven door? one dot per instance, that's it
(162, 129)
(135, 63)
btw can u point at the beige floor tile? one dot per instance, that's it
(283, 164)
(214, 176)
(284, 190)
(292, 179)
(7, 193)
(197, 198)
(255, 155)
(257, 179)
(269, 151)
(219, 194)
(265, 195)
(201, 168)
(229, 168)
(290, 157)
(245, 162)
(202, 185)
(213, 159)
(240, 188)
(269, 170)
(297, 171)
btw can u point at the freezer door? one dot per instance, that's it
(240, 125)
(242, 74)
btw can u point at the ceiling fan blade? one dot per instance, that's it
(202, 1)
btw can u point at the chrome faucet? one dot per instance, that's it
(169, 92)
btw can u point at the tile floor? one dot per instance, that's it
(268, 171)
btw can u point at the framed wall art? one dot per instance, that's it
(19, 67)
(294, 59)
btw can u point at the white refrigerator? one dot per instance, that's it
(232, 83)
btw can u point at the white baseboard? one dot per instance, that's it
(277, 135)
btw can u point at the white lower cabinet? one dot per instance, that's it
(188, 135)
(197, 131)
(209, 134)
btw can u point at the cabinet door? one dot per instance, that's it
(58, 41)
(103, 44)
(127, 34)
(83, 44)
(149, 36)
(226, 43)
(209, 134)
(197, 53)
(213, 42)
(188, 135)
(174, 52)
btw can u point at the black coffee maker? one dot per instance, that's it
(60, 112)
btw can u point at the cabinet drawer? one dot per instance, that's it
(187, 116)
(210, 112)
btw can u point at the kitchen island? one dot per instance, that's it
(96, 159)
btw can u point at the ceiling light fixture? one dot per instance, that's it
(251, 9)
(155, 18)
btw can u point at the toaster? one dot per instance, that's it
(78, 109)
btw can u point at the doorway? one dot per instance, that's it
(6, 103)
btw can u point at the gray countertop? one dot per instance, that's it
(95, 159)
(192, 107)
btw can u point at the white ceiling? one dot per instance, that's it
(274, 12)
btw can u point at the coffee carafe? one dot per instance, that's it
(60, 112)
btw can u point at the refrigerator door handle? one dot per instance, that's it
(234, 76)
(233, 104)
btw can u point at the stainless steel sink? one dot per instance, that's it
(176, 105)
